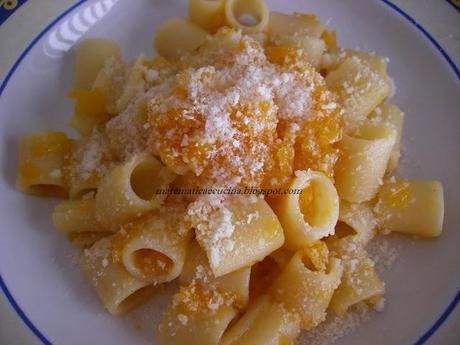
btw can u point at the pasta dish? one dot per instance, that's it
(251, 162)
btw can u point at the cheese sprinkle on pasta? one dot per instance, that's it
(234, 113)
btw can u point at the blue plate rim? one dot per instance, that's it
(422, 340)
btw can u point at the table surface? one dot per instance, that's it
(440, 18)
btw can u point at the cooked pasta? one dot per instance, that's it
(86, 170)
(305, 291)
(311, 215)
(413, 207)
(153, 248)
(90, 57)
(196, 316)
(178, 36)
(196, 268)
(255, 9)
(90, 111)
(77, 219)
(208, 14)
(359, 282)
(360, 86)
(364, 160)
(357, 219)
(312, 46)
(118, 290)
(42, 162)
(265, 322)
(297, 24)
(335, 56)
(391, 116)
(128, 190)
(249, 225)
(250, 162)
(72, 216)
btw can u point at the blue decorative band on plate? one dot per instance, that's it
(455, 4)
(8, 7)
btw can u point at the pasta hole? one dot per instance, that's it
(151, 262)
(314, 204)
(145, 180)
(86, 192)
(343, 230)
(86, 239)
(47, 190)
(308, 263)
(262, 275)
(248, 19)
(248, 14)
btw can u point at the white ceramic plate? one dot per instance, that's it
(37, 265)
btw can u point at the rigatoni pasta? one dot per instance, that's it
(249, 225)
(250, 163)
(305, 291)
(359, 282)
(391, 116)
(413, 207)
(128, 190)
(256, 9)
(357, 219)
(118, 290)
(360, 87)
(178, 36)
(77, 219)
(42, 163)
(281, 24)
(196, 268)
(265, 322)
(196, 316)
(365, 156)
(153, 249)
(90, 57)
(312, 46)
(77, 216)
(311, 215)
(208, 14)
(90, 111)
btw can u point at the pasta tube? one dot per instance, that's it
(178, 36)
(118, 290)
(153, 248)
(249, 225)
(306, 291)
(413, 207)
(311, 215)
(129, 190)
(364, 160)
(264, 323)
(359, 282)
(196, 268)
(207, 14)
(43, 157)
(91, 55)
(257, 9)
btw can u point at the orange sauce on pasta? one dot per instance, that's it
(29, 172)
